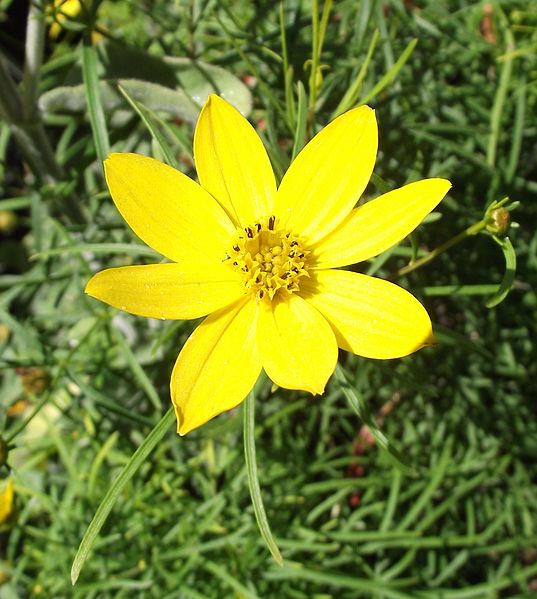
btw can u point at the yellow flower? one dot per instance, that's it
(63, 10)
(262, 262)
(6, 502)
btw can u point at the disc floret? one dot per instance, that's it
(269, 258)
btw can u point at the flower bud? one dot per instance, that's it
(498, 221)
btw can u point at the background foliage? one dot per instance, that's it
(460, 103)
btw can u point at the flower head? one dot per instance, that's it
(262, 263)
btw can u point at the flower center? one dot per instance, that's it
(269, 258)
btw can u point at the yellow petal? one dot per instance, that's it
(329, 175)
(217, 366)
(171, 291)
(381, 223)
(298, 349)
(232, 163)
(167, 210)
(370, 317)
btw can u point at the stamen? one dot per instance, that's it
(270, 260)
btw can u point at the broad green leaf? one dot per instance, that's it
(178, 95)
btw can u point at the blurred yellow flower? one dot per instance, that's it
(63, 10)
(262, 263)
(6, 501)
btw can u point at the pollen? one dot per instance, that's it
(269, 258)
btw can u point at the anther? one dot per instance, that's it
(258, 227)
(249, 232)
(236, 248)
(271, 222)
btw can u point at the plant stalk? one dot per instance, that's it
(471, 230)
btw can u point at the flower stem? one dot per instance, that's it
(253, 479)
(472, 230)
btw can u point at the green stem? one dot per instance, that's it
(33, 59)
(29, 134)
(253, 479)
(472, 230)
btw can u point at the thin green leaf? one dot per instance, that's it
(352, 93)
(363, 412)
(154, 125)
(230, 580)
(301, 120)
(366, 587)
(95, 108)
(98, 248)
(113, 493)
(287, 72)
(449, 290)
(391, 74)
(499, 100)
(518, 132)
(509, 274)
(138, 371)
(253, 479)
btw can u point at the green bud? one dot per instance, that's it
(498, 222)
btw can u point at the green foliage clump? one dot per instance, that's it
(453, 85)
